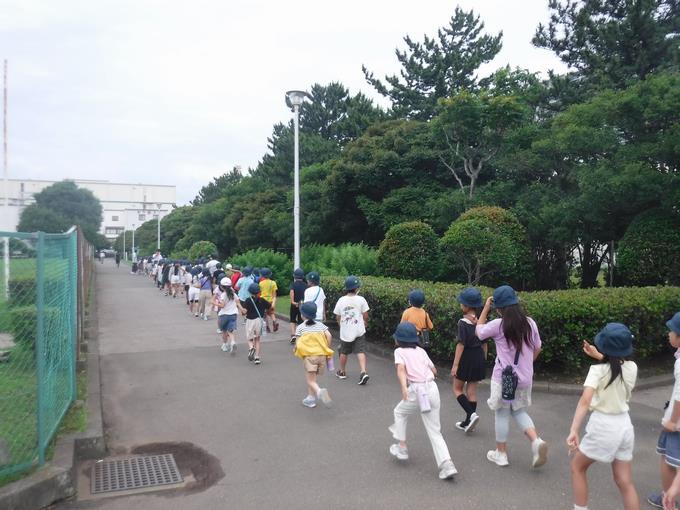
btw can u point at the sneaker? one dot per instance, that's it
(225, 348)
(324, 397)
(206, 317)
(498, 458)
(399, 452)
(276, 327)
(251, 354)
(460, 425)
(474, 418)
(363, 378)
(655, 499)
(539, 450)
(195, 315)
(256, 360)
(233, 347)
(447, 470)
(292, 339)
(219, 331)
(340, 374)
(309, 401)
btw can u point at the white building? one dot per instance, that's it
(125, 206)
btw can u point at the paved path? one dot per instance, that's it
(164, 379)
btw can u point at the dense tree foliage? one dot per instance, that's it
(410, 250)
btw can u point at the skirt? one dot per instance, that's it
(471, 366)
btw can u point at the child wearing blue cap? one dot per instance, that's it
(313, 347)
(610, 437)
(468, 362)
(416, 315)
(419, 393)
(668, 445)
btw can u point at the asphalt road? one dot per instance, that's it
(164, 379)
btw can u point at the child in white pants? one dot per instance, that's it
(419, 394)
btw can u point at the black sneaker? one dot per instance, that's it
(340, 374)
(256, 360)
(251, 354)
(363, 378)
(292, 340)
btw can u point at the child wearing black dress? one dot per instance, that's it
(468, 364)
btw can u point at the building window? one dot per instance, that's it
(113, 230)
(114, 218)
(142, 217)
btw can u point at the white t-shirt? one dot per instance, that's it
(211, 265)
(676, 389)
(187, 278)
(351, 309)
(229, 307)
(614, 399)
(317, 295)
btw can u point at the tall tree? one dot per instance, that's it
(438, 67)
(218, 187)
(612, 43)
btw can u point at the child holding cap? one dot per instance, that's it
(518, 344)
(313, 346)
(668, 445)
(419, 393)
(468, 362)
(609, 437)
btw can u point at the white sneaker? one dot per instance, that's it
(219, 331)
(474, 418)
(498, 458)
(539, 451)
(205, 317)
(225, 348)
(324, 397)
(447, 470)
(233, 347)
(399, 452)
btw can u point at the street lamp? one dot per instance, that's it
(158, 236)
(294, 99)
(124, 252)
(133, 243)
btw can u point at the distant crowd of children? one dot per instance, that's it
(609, 434)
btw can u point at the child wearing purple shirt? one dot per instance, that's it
(513, 331)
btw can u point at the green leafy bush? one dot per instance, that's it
(410, 249)
(565, 318)
(343, 260)
(279, 263)
(649, 252)
(486, 245)
(202, 249)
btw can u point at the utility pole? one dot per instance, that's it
(6, 179)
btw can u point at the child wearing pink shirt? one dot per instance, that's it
(419, 393)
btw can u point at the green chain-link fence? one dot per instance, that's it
(38, 341)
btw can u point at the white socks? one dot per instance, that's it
(576, 507)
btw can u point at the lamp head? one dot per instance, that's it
(296, 98)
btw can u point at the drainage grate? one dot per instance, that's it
(139, 472)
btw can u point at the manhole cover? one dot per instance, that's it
(140, 472)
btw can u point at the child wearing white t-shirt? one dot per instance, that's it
(351, 312)
(315, 294)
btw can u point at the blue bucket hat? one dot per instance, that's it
(352, 282)
(615, 340)
(416, 297)
(247, 271)
(308, 310)
(470, 297)
(674, 324)
(254, 289)
(266, 272)
(406, 333)
(504, 296)
(314, 277)
(299, 273)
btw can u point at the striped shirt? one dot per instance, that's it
(317, 327)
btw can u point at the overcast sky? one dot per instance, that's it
(169, 92)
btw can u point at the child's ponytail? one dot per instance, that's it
(310, 322)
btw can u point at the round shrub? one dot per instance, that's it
(410, 250)
(648, 251)
(486, 245)
(202, 249)
(279, 263)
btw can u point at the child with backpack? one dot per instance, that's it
(468, 362)
(609, 437)
(269, 290)
(297, 296)
(419, 393)
(418, 317)
(255, 309)
(313, 346)
(668, 446)
(518, 344)
(315, 293)
(351, 312)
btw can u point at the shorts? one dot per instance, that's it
(174, 279)
(253, 328)
(227, 322)
(358, 346)
(608, 437)
(315, 364)
(669, 446)
(295, 316)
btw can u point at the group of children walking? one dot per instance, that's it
(609, 434)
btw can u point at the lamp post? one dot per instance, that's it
(294, 99)
(158, 235)
(124, 252)
(133, 243)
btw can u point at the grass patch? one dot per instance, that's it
(283, 305)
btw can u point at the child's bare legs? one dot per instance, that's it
(256, 342)
(225, 337)
(458, 387)
(667, 474)
(623, 476)
(361, 357)
(579, 478)
(312, 386)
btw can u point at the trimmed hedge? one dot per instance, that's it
(565, 318)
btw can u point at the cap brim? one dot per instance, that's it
(669, 325)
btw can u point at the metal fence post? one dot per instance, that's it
(73, 277)
(40, 347)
